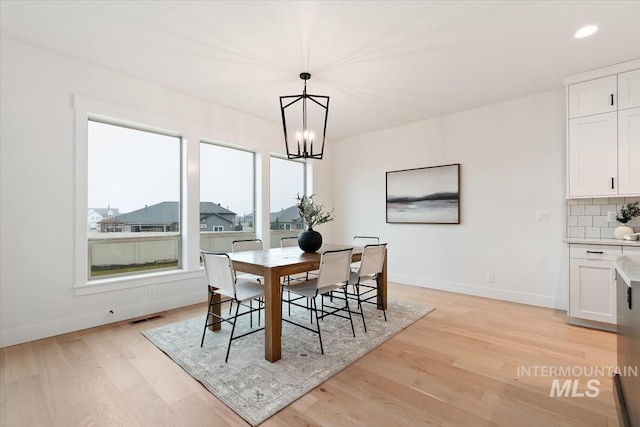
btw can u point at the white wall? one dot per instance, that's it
(37, 206)
(512, 158)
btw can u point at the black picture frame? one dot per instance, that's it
(428, 195)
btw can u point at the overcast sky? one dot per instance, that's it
(129, 169)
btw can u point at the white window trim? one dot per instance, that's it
(307, 172)
(84, 110)
(256, 180)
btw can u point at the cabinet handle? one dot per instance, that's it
(612, 187)
(611, 99)
(595, 252)
(629, 297)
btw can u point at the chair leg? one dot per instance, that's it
(346, 301)
(233, 328)
(377, 296)
(206, 319)
(357, 288)
(259, 305)
(315, 310)
(281, 295)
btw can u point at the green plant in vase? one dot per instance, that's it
(312, 214)
(626, 214)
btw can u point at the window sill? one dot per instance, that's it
(129, 282)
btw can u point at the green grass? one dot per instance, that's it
(119, 269)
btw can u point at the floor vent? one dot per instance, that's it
(146, 319)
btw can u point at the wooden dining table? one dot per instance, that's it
(272, 265)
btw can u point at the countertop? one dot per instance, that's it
(592, 241)
(628, 266)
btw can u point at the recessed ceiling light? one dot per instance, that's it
(585, 31)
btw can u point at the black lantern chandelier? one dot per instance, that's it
(303, 117)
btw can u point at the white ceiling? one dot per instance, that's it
(383, 63)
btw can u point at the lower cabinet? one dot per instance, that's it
(592, 286)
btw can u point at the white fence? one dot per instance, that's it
(119, 250)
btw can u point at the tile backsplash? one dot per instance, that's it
(588, 217)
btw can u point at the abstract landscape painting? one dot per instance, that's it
(429, 195)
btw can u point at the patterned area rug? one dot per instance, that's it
(256, 389)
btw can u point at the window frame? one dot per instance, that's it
(86, 109)
(306, 170)
(174, 236)
(254, 169)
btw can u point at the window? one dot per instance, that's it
(133, 183)
(226, 195)
(287, 180)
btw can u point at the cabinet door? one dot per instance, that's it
(593, 155)
(593, 97)
(592, 290)
(629, 90)
(629, 151)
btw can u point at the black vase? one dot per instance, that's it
(309, 240)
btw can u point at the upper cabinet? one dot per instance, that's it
(593, 155)
(593, 97)
(629, 151)
(603, 132)
(629, 90)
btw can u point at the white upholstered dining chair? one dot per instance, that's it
(332, 275)
(289, 242)
(363, 241)
(248, 245)
(221, 279)
(369, 270)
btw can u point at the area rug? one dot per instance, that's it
(256, 389)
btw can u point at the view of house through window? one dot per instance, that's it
(226, 196)
(133, 200)
(287, 180)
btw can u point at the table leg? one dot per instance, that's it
(382, 294)
(216, 310)
(273, 316)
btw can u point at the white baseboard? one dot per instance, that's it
(482, 291)
(71, 324)
(76, 323)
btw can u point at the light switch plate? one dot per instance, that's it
(542, 216)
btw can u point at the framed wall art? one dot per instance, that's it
(429, 195)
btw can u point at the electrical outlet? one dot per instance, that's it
(611, 216)
(151, 289)
(542, 216)
(490, 278)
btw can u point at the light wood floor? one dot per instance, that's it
(458, 366)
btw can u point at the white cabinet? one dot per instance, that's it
(629, 90)
(629, 150)
(593, 155)
(592, 287)
(593, 97)
(603, 141)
